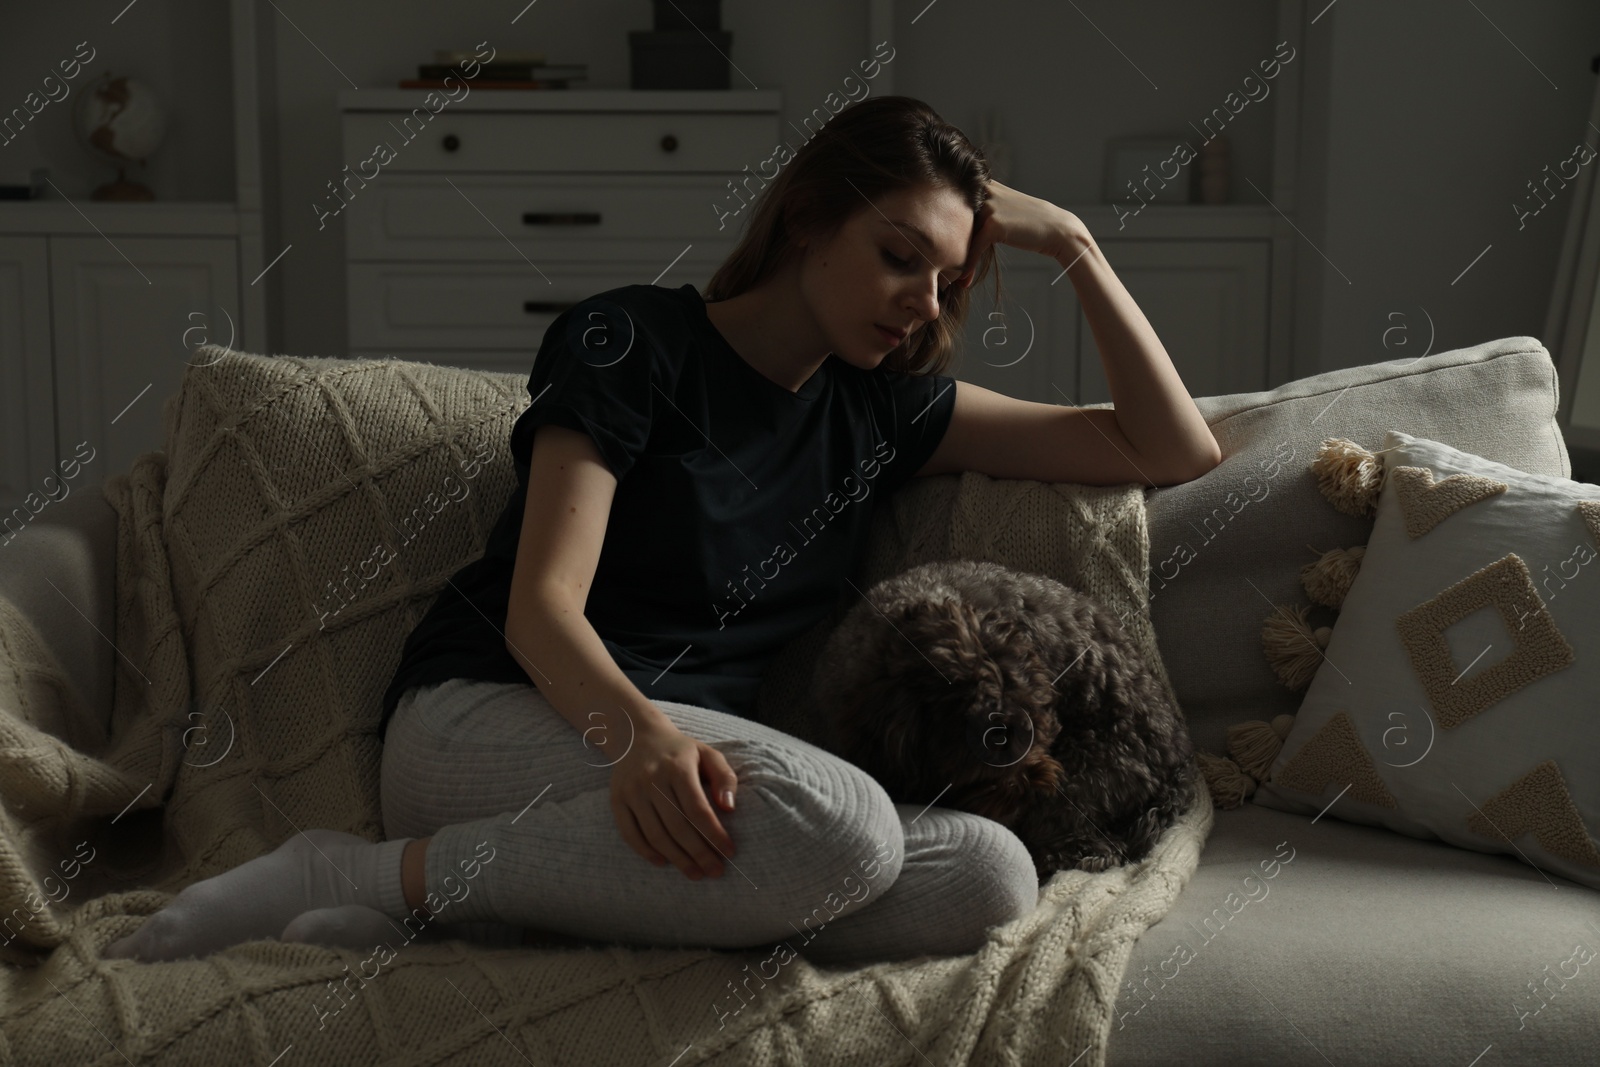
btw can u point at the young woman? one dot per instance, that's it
(568, 741)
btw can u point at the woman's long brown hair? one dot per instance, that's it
(874, 147)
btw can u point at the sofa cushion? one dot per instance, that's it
(1455, 697)
(1226, 547)
(313, 508)
(1366, 947)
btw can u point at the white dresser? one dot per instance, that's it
(488, 217)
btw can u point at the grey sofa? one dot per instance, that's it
(1364, 947)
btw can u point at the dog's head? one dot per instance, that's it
(961, 709)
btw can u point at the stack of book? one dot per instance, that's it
(507, 70)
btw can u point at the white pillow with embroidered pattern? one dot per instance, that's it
(1457, 697)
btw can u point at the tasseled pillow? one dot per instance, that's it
(1350, 477)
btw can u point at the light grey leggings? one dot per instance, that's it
(823, 860)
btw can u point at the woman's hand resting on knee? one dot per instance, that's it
(661, 805)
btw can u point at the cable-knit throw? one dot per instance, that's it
(269, 565)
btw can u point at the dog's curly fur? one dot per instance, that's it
(1011, 696)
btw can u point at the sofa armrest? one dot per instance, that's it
(59, 570)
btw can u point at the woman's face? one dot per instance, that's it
(888, 266)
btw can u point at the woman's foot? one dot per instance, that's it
(316, 869)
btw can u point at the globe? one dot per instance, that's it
(119, 120)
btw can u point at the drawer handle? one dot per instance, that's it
(540, 307)
(561, 218)
(669, 143)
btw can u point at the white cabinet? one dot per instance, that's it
(27, 405)
(126, 318)
(1022, 347)
(96, 329)
(509, 207)
(1206, 300)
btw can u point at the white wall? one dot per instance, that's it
(179, 48)
(1436, 121)
(1419, 124)
(1066, 81)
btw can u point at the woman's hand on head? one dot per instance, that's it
(1021, 221)
(661, 804)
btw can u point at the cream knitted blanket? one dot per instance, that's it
(246, 707)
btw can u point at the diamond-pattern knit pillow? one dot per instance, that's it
(313, 510)
(1456, 699)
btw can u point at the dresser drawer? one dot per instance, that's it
(394, 307)
(473, 217)
(655, 142)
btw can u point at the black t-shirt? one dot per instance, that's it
(739, 511)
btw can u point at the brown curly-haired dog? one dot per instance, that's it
(1011, 696)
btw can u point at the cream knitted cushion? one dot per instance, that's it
(313, 509)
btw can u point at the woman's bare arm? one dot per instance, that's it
(563, 526)
(662, 807)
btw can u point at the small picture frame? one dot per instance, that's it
(1141, 170)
